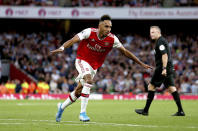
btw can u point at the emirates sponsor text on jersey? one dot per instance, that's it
(97, 48)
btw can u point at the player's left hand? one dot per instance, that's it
(147, 66)
(164, 72)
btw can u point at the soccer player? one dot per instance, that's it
(164, 72)
(94, 46)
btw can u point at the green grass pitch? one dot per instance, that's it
(106, 115)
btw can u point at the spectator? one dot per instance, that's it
(18, 86)
(101, 3)
(32, 88)
(25, 87)
(65, 86)
(3, 89)
(194, 88)
(29, 54)
(53, 87)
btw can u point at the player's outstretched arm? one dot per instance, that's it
(67, 44)
(130, 55)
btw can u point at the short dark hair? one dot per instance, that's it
(157, 27)
(105, 17)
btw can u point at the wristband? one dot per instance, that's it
(62, 48)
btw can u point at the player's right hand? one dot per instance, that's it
(56, 51)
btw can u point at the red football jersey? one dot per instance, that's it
(94, 50)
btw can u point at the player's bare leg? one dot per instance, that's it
(71, 99)
(151, 94)
(85, 97)
(176, 97)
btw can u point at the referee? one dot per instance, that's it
(164, 72)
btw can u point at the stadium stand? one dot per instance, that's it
(26, 43)
(30, 53)
(101, 3)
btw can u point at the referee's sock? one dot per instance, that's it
(149, 100)
(177, 101)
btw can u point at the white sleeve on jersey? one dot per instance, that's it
(117, 43)
(84, 34)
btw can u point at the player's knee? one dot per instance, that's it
(151, 87)
(89, 81)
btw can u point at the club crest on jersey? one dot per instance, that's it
(106, 43)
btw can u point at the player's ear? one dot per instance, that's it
(99, 25)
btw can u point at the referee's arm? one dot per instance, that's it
(164, 53)
(164, 60)
(164, 63)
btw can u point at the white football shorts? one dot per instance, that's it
(83, 69)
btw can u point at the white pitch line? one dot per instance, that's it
(32, 104)
(78, 123)
(11, 123)
(70, 124)
(13, 119)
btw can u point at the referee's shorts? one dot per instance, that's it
(158, 79)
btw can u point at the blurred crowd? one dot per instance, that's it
(56, 73)
(102, 3)
(15, 86)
